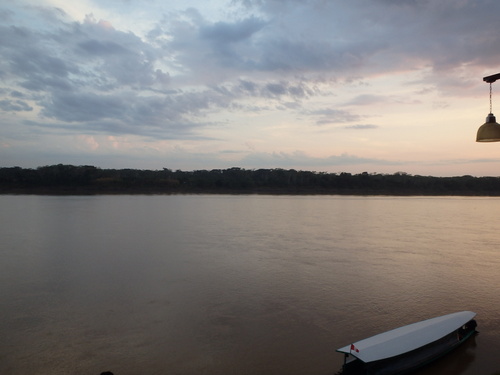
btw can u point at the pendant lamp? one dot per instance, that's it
(490, 130)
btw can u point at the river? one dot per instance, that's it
(238, 284)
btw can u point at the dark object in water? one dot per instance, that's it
(410, 347)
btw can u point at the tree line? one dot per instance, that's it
(70, 179)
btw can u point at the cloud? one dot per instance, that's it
(100, 48)
(14, 106)
(224, 33)
(386, 36)
(300, 159)
(104, 76)
(171, 116)
(362, 127)
(190, 75)
(89, 71)
(84, 106)
(368, 99)
(333, 116)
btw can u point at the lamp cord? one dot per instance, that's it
(490, 100)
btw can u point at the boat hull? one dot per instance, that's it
(414, 359)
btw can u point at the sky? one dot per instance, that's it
(377, 86)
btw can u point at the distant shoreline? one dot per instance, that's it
(82, 191)
(88, 180)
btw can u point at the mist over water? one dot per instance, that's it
(223, 284)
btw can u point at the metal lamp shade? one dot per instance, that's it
(489, 131)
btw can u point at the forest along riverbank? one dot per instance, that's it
(89, 180)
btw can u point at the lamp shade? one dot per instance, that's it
(489, 131)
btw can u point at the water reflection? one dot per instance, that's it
(238, 284)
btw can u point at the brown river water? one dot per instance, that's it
(229, 284)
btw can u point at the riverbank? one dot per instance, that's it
(88, 180)
(88, 190)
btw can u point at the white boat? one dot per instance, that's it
(407, 348)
